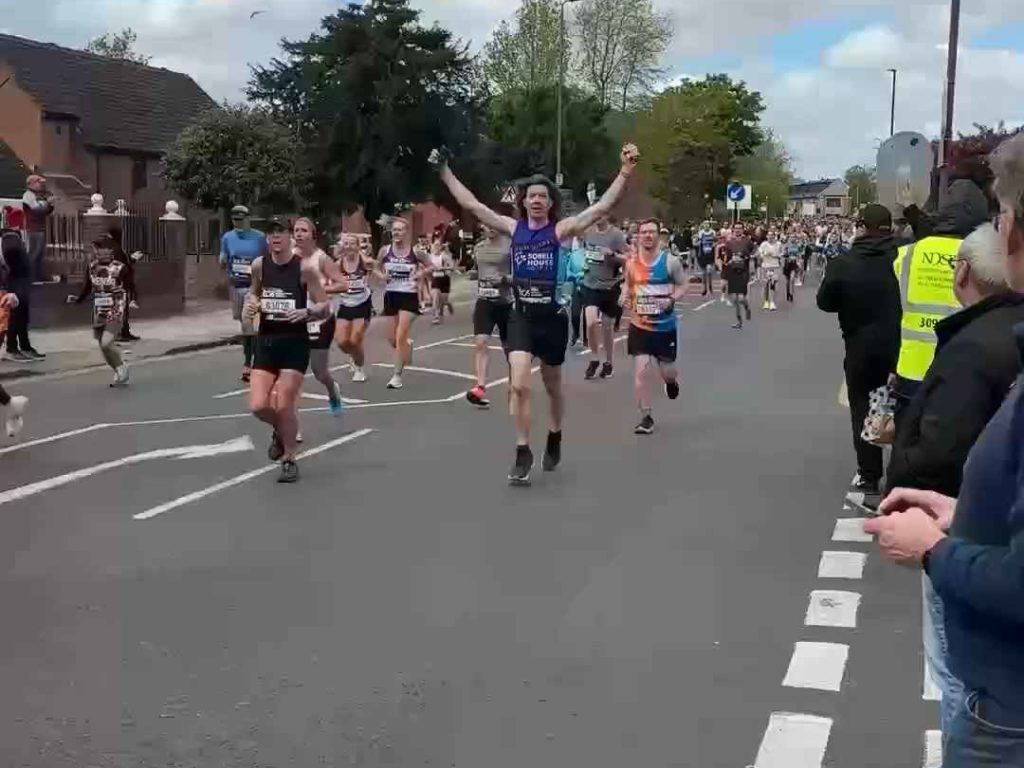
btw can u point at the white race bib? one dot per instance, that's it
(103, 301)
(241, 269)
(276, 306)
(356, 284)
(594, 256)
(313, 327)
(488, 292)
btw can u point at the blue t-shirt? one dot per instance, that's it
(238, 250)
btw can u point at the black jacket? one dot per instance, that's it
(860, 286)
(976, 361)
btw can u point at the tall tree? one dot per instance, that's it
(523, 55)
(119, 45)
(862, 182)
(234, 155)
(769, 170)
(368, 96)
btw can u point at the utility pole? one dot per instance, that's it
(561, 86)
(892, 109)
(949, 99)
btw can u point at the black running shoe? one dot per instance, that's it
(592, 367)
(607, 370)
(289, 472)
(553, 451)
(276, 449)
(672, 389)
(862, 485)
(520, 472)
(645, 427)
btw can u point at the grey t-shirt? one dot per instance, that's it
(493, 266)
(602, 273)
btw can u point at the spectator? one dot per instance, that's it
(37, 206)
(977, 569)
(19, 282)
(861, 287)
(131, 288)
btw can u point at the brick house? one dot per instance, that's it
(92, 123)
(825, 197)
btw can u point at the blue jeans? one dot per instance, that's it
(974, 741)
(936, 651)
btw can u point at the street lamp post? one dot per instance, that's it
(561, 85)
(892, 109)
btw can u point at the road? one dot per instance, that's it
(402, 606)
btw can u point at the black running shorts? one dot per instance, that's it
(395, 302)
(607, 301)
(543, 332)
(281, 353)
(442, 283)
(661, 345)
(488, 315)
(321, 333)
(362, 311)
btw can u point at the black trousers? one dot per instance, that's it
(17, 330)
(575, 315)
(866, 371)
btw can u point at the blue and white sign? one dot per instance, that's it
(738, 196)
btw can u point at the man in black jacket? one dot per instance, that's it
(861, 287)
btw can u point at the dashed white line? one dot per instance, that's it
(52, 438)
(851, 529)
(841, 565)
(705, 304)
(832, 608)
(794, 741)
(438, 371)
(933, 749)
(817, 665)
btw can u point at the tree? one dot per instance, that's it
(769, 170)
(368, 96)
(120, 45)
(234, 155)
(524, 55)
(861, 180)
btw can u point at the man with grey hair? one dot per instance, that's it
(972, 547)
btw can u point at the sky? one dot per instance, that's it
(821, 65)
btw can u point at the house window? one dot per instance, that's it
(833, 202)
(139, 180)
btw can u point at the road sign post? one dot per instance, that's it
(738, 197)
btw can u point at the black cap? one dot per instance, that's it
(277, 224)
(876, 217)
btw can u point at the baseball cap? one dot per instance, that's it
(876, 217)
(275, 224)
(239, 211)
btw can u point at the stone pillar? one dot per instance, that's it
(96, 221)
(173, 230)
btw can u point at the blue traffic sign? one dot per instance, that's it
(736, 192)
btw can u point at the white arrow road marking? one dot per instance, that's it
(201, 494)
(237, 445)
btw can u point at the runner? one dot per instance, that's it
(321, 332)
(355, 301)
(736, 274)
(12, 407)
(493, 304)
(425, 243)
(104, 279)
(605, 247)
(654, 282)
(279, 295)
(793, 249)
(538, 325)
(402, 267)
(770, 253)
(705, 242)
(238, 249)
(441, 280)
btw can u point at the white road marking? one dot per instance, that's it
(441, 343)
(794, 741)
(841, 565)
(237, 445)
(933, 749)
(439, 371)
(705, 304)
(321, 396)
(52, 438)
(832, 608)
(817, 665)
(616, 340)
(851, 529)
(491, 347)
(930, 690)
(202, 494)
(496, 383)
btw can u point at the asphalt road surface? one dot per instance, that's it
(166, 603)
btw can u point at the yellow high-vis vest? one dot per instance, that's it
(925, 272)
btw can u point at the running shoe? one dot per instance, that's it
(358, 375)
(478, 397)
(19, 357)
(15, 411)
(772, 307)
(35, 355)
(553, 451)
(645, 427)
(120, 376)
(276, 449)
(607, 370)
(436, 321)
(289, 472)
(738, 326)
(764, 306)
(520, 472)
(862, 485)
(334, 402)
(672, 388)
(396, 382)
(591, 372)
(298, 436)
(246, 373)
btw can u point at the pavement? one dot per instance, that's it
(657, 601)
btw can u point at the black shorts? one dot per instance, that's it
(790, 267)
(395, 302)
(488, 315)
(607, 301)
(281, 353)
(661, 345)
(362, 311)
(544, 333)
(442, 283)
(323, 336)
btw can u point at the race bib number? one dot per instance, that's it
(594, 256)
(276, 306)
(313, 328)
(103, 301)
(241, 269)
(356, 284)
(488, 292)
(439, 273)
(652, 305)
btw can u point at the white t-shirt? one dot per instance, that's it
(771, 254)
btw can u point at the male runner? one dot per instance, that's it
(655, 280)
(402, 267)
(538, 325)
(355, 301)
(736, 273)
(279, 296)
(493, 304)
(770, 254)
(13, 407)
(793, 248)
(105, 280)
(705, 242)
(239, 248)
(605, 248)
